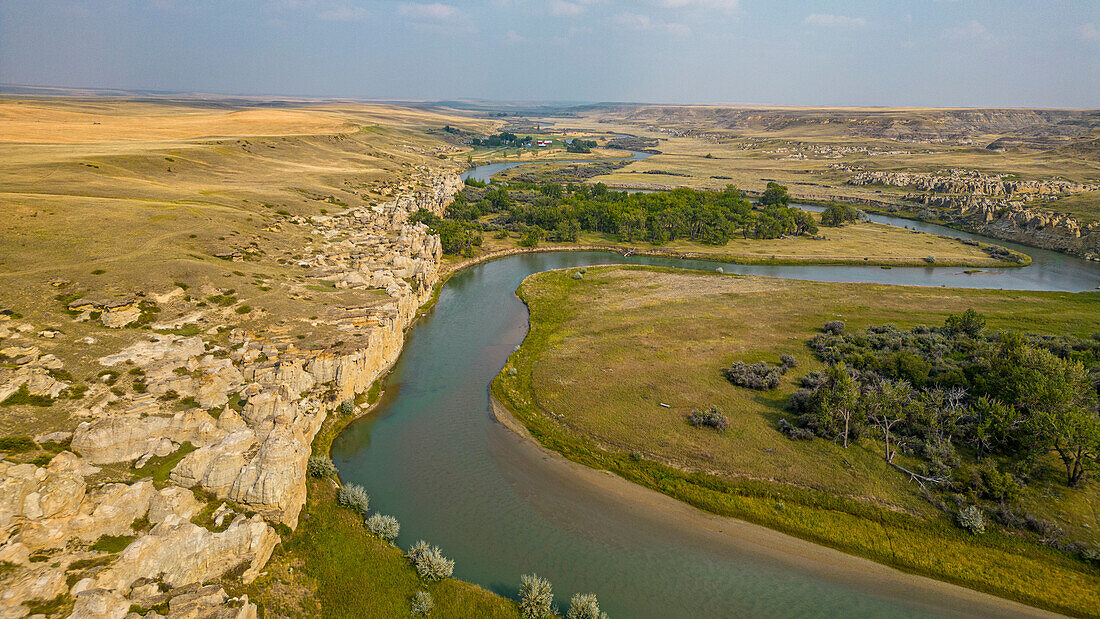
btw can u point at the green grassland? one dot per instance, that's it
(607, 351)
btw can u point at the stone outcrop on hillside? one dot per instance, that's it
(999, 207)
(239, 419)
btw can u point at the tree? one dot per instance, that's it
(839, 396)
(536, 597)
(1057, 399)
(775, 195)
(886, 402)
(584, 606)
(969, 323)
(531, 237)
(836, 215)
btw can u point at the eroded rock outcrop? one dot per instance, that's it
(247, 412)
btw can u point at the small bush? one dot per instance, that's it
(930, 259)
(711, 418)
(794, 433)
(385, 527)
(355, 497)
(536, 597)
(788, 361)
(429, 561)
(321, 467)
(759, 376)
(347, 407)
(834, 327)
(422, 603)
(243, 309)
(972, 519)
(584, 606)
(16, 444)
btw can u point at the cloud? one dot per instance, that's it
(344, 13)
(637, 21)
(972, 30)
(727, 5)
(1090, 32)
(826, 20)
(566, 9)
(513, 37)
(435, 11)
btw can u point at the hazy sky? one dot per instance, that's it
(846, 52)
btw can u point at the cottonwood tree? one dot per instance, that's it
(840, 398)
(886, 402)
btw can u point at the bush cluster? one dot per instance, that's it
(759, 376)
(429, 561)
(536, 597)
(385, 527)
(711, 418)
(972, 519)
(355, 497)
(422, 604)
(320, 467)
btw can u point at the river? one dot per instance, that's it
(433, 456)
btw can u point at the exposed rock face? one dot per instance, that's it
(251, 411)
(179, 553)
(1000, 208)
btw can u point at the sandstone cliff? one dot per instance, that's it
(255, 407)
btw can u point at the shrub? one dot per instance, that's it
(355, 497)
(422, 603)
(320, 467)
(760, 376)
(971, 519)
(834, 327)
(385, 527)
(794, 433)
(16, 444)
(788, 361)
(930, 259)
(712, 418)
(429, 561)
(347, 407)
(584, 606)
(536, 597)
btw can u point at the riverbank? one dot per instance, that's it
(892, 531)
(745, 535)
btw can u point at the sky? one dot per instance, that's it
(973, 53)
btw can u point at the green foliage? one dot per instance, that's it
(710, 418)
(17, 444)
(422, 604)
(536, 597)
(457, 237)
(836, 215)
(355, 497)
(972, 519)
(429, 561)
(385, 527)
(112, 543)
(320, 467)
(531, 237)
(969, 323)
(775, 195)
(584, 606)
(23, 397)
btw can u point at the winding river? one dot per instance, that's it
(434, 456)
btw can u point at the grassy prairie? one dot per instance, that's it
(605, 352)
(113, 199)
